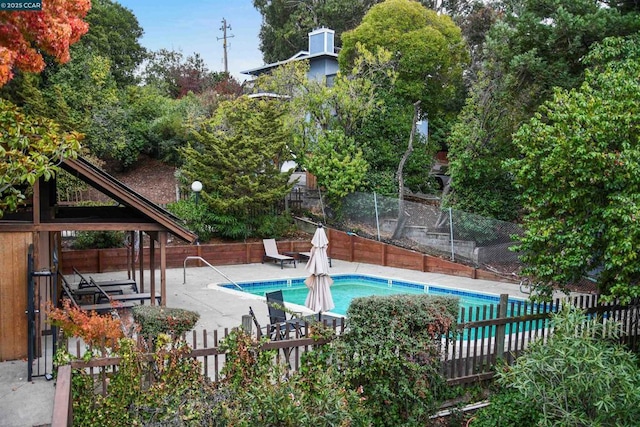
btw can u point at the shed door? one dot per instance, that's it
(14, 248)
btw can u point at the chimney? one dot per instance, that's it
(321, 41)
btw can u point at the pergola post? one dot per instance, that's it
(152, 268)
(141, 260)
(162, 235)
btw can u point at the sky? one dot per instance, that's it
(191, 26)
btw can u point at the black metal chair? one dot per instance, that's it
(279, 326)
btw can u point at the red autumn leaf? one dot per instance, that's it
(23, 34)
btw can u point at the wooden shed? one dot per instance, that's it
(30, 241)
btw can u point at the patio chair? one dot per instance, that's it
(84, 282)
(99, 308)
(279, 324)
(106, 296)
(271, 253)
(89, 291)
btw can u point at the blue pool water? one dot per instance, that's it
(349, 286)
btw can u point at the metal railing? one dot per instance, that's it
(184, 270)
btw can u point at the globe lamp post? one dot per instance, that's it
(196, 187)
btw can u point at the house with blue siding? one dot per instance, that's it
(322, 57)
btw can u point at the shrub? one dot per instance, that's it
(177, 394)
(154, 320)
(180, 395)
(272, 226)
(196, 217)
(99, 240)
(479, 229)
(579, 376)
(507, 409)
(258, 392)
(97, 331)
(392, 352)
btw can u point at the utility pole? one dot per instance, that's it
(224, 38)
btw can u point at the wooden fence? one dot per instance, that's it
(343, 247)
(483, 337)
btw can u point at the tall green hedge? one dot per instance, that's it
(391, 352)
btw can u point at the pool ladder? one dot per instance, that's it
(184, 271)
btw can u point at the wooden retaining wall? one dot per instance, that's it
(342, 246)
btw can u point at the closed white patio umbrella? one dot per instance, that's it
(319, 297)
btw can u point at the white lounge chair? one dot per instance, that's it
(271, 253)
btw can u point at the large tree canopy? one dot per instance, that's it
(25, 35)
(427, 48)
(114, 33)
(286, 23)
(538, 45)
(579, 175)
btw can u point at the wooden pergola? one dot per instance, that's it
(31, 241)
(45, 219)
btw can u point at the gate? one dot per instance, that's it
(41, 346)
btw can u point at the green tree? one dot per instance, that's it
(428, 51)
(383, 137)
(170, 130)
(285, 24)
(536, 46)
(479, 143)
(326, 118)
(338, 165)
(122, 129)
(579, 177)
(30, 148)
(114, 33)
(237, 156)
(176, 75)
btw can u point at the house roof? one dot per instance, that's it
(127, 197)
(302, 55)
(132, 211)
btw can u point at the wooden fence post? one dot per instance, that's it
(247, 323)
(502, 328)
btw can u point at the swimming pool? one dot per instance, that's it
(349, 286)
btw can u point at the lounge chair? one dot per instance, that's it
(84, 282)
(99, 308)
(89, 291)
(106, 296)
(271, 252)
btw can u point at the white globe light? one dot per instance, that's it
(196, 186)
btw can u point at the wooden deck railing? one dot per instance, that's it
(483, 336)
